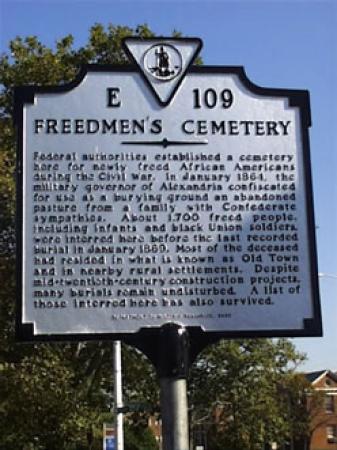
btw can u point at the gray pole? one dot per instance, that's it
(172, 370)
(174, 411)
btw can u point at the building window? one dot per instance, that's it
(329, 404)
(331, 433)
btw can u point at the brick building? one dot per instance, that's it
(323, 410)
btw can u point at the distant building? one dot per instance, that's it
(323, 413)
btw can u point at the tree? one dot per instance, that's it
(42, 403)
(139, 438)
(316, 412)
(235, 393)
(294, 390)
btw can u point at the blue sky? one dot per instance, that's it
(285, 44)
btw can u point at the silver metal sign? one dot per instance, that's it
(164, 192)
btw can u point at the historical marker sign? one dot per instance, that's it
(162, 192)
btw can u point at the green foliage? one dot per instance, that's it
(31, 392)
(294, 391)
(235, 391)
(139, 438)
(140, 381)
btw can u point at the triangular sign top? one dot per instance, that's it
(163, 62)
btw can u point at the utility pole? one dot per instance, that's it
(118, 395)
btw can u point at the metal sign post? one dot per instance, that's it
(174, 411)
(172, 371)
(162, 202)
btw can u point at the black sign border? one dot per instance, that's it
(145, 339)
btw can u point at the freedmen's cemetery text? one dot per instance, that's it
(137, 214)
